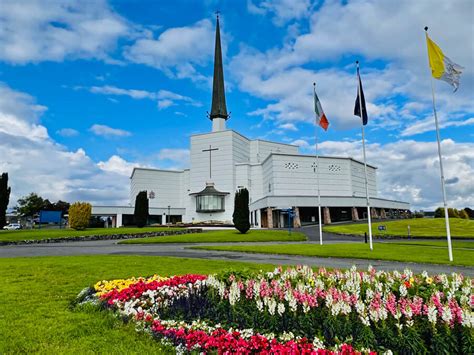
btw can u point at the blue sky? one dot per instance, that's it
(90, 89)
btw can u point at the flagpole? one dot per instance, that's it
(317, 174)
(446, 216)
(369, 218)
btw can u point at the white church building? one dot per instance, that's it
(276, 175)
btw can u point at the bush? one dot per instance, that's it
(453, 213)
(463, 214)
(141, 209)
(79, 215)
(241, 213)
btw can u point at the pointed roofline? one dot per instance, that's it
(218, 107)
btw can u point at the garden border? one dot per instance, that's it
(102, 237)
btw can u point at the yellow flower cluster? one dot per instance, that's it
(105, 286)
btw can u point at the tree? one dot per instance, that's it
(141, 209)
(439, 213)
(79, 215)
(463, 214)
(29, 205)
(241, 213)
(453, 213)
(470, 212)
(4, 198)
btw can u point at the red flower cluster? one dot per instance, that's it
(224, 342)
(137, 289)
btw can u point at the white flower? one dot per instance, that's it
(281, 308)
(318, 343)
(403, 290)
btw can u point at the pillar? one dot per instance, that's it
(355, 214)
(383, 214)
(270, 217)
(326, 215)
(296, 218)
(114, 221)
(119, 220)
(258, 219)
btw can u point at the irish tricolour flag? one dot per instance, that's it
(442, 67)
(320, 116)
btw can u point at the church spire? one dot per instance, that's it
(218, 109)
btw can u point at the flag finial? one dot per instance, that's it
(426, 28)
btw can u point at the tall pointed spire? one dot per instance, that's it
(218, 108)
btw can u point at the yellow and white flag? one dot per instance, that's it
(442, 67)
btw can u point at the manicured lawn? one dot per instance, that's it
(35, 294)
(439, 244)
(419, 227)
(382, 251)
(221, 236)
(36, 234)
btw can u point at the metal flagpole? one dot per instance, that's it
(317, 172)
(369, 218)
(446, 216)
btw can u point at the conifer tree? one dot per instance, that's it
(241, 211)
(141, 209)
(4, 198)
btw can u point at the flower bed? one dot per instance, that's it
(298, 310)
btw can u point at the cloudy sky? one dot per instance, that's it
(90, 89)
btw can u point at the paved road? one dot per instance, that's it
(110, 247)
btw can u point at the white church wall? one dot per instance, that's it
(256, 182)
(260, 150)
(222, 171)
(166, 184)
(358, 179)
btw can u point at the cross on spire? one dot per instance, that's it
(210, 150)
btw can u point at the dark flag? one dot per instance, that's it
(362, 100)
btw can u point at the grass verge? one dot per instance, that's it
(223, 236)
(36, 293)
(419, 227)
(38, 234)
(382, 251)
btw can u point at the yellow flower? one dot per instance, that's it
(429, 280)
(412, 280)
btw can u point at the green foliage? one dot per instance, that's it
(4, 198)
(32, 204)
(141, 209)
(463, 214)
(453, 213)
(382, 251)
(222, 236)
(439, 213)
(418, 214)
(36, 293)
(470, 212)
(79, 215)
(241, 214)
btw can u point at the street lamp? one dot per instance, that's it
(169, 217)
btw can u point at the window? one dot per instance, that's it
(210, 203)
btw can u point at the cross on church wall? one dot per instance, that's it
(210, 150)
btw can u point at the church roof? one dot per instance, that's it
(218, 108)
(209, 190)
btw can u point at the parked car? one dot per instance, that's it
(13, 226)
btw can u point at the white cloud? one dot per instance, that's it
(106, 131)
(288, 127)
(178, 158)
(428, 124)
(68, 132)
(33, 30)
(177, 50)
(409, 170)
(118, 165)
(281, 10)
(36, 163)
(301, 143)
(164, 98)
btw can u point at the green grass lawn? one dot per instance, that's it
(419, 227)
(440, 244)
(382, 251)
(35, 294)
(220, 236)
(36, 234)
